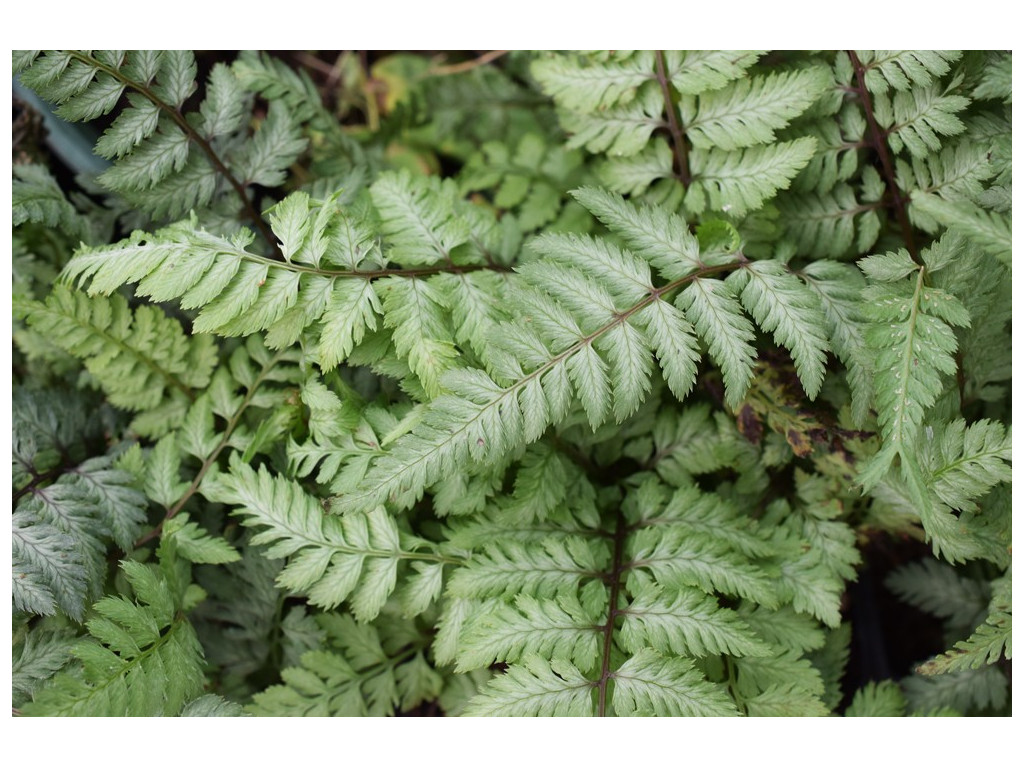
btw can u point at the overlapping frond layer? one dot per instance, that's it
(361, 669)
(900, 70)
(827, 226)
(391, 355)
(688, 116)
(530, 179)
(592, 315)
(334, 277)
(558, 608)
(37, 656)
(332, 559)
(37, 197)
(911, 330)
(915, 119)
(987, 644)
(61, 530)
(165, 160)
(142, 659)
(965, 678)
(142, 359)
(750, 110)
(990, 230)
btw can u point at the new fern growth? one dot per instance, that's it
(577, 384)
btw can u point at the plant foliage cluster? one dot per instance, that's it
(587, 383)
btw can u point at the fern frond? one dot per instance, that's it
(954, 174)
(530, 179)
(535, 688)
(740, 181)
(988, 643)
(693, 72)
(37, 656)
(780, 303)
(938, 589)
(238, 637)
(827, 226)
(915, 119)
(691, 511)
(141, 359)
(987, 358)
(541, 483)
(877, 700)
(593, 333)
(783, 628)
(620, 131)
(757, 674)
(663, 238)
(332, 559)
(112, 491)
(37, 197)
(60, 531)
(686, 623)
(211, 705)
(165, 160)
(902, 69)
(713, 308)
(839, 287)
(274, 147)
(352, 310)
(418, 218)
(275, 81)
(914, 346)
(785, 700)
(240, 293)
(558, 628)
(749, 111)
(586, 86)
(681, 559)
(481, 435)
(967, 462)
(360, 672)
(633, 175)
(195, 544)
(417, 312)
(839, 140)
(991, 231)
(143, 658)
(49, 568)
(543, 569)
(649, 684)
(969, 691)
(996, 78)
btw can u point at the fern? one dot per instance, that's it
(37, 197)
(330, 554)
(164, 161)
(65, 515)
(599, 351)
(531, 180)
(360, 673)
(988, 229)
(141, 659)
(900, 69)
(143, 360)
(559, 602)
(37, 657)
(916, 119)
(749, 111)
(589, 383)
